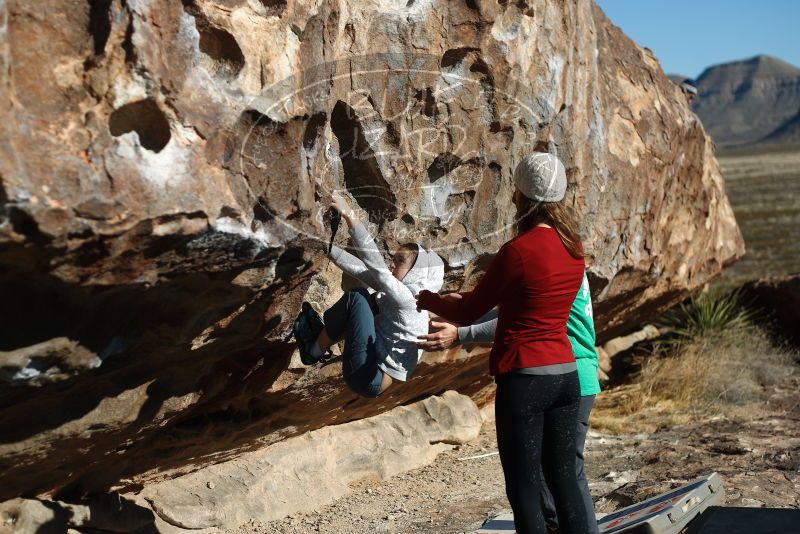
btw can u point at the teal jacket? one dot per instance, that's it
(580, 331)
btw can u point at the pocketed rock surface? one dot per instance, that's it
(163, 169)
(758, 459)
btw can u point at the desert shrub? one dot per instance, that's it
(717, 356)
(731, 366)
(708, 314)
(717, 361)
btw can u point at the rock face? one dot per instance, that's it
(163, 169)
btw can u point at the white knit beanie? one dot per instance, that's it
(541, 177)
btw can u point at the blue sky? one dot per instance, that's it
(690, 35)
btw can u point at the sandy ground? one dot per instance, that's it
(758, 457)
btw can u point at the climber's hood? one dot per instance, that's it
(427, 272)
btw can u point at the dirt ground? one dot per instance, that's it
(758, 456)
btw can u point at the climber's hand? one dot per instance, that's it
(340, 204)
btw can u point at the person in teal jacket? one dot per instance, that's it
(580, 330)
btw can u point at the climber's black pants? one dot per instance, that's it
(353, 317)
(537, 419)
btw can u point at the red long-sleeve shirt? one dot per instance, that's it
(533, 281)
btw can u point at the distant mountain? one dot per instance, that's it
(788, 132)
(749, 101)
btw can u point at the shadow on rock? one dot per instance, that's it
(169, 354)
(103, 513)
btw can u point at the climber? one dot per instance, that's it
(689, 89)
(580, 331)
(533, 280)
(380, 329)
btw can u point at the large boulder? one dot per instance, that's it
(163, 169)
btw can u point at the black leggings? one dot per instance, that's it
(537, 419)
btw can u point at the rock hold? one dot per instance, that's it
(50, 361)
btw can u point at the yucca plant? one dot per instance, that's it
(707, 314)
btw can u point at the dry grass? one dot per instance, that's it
(712, 372)
(721, 372)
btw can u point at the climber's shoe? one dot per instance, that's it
(306, 330)
(314, 319)
(305, 339)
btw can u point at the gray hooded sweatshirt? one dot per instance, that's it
(398, 323)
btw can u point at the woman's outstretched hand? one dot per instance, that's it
(441, 335)
(451, 297)
(420, 297)
(425, 294)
